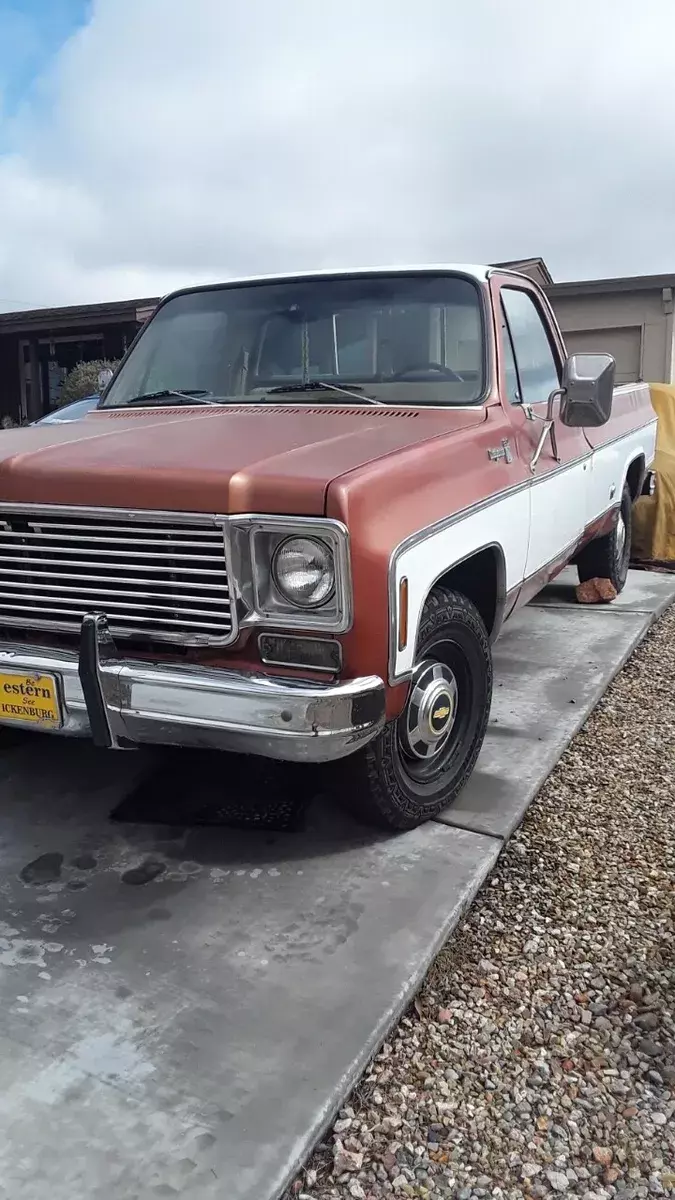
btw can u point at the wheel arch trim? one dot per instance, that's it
(494, 547)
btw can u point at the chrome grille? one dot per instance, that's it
(155, 578)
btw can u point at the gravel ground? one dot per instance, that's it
(539, 1057)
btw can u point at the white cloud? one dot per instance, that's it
(175, 142)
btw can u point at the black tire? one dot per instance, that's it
(385, 784)
(608, 557)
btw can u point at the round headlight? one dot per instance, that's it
(304, 572)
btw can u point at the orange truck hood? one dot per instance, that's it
(275, 459)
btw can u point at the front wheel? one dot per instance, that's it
(418, 764)
(608, 557)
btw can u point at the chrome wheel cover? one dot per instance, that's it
(620, 538)
(431, 711)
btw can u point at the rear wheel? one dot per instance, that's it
(419, 763)
(608, 557)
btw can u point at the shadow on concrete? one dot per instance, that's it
(163, 807)
(218, 809)
(201, 787)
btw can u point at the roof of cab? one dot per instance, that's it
(479, 273)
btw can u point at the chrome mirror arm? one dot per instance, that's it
(549, 428)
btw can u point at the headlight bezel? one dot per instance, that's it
(254, 542)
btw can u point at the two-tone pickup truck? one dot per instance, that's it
(299, 516)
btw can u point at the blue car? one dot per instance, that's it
(69, 412)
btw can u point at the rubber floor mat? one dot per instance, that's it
(210, 788)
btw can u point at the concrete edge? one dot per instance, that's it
(604, 608)
(662, 606)
(300, 1152)
(494, 844)
(581, 719)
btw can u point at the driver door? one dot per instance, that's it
(533, 357)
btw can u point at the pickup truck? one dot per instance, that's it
(299, 516)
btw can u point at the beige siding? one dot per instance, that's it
(624, 345)
(617, 320)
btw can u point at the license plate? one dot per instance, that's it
(30, 700)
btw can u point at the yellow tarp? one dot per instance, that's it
(654, 516)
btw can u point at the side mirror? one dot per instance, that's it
(587, 390)
(104, 378)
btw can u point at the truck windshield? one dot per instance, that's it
(398, 339)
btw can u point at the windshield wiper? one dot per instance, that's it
(319, 385)
(191, 396)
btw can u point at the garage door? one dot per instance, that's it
(623, 344)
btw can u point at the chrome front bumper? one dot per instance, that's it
(119, 702)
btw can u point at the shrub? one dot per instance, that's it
(83, 380)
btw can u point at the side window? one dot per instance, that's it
(510, 370)
(537, 367)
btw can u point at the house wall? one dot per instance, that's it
(634, 325)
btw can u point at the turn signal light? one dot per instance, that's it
(403, 613)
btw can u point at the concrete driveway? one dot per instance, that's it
(185, 1007)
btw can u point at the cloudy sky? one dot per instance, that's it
(145, 144)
